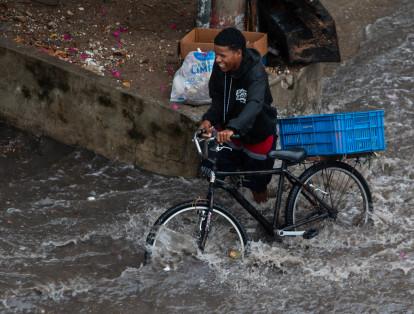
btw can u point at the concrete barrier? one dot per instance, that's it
(47, 96)
(297, 92)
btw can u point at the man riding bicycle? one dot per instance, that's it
(241, 104)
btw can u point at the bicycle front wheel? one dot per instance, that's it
(340, 186)
(177, 232)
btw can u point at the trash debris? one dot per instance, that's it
(52, 25)
(116, 73)
(92, 66)
(234, 254)
(67, 37)
(175, 106)
(18, 39)
(84, 56)
(123, 29)
(126, 83)
(170, 70)
(190, 84)
(102, 37)
(116, 33)
(20, 18)
(73, 50)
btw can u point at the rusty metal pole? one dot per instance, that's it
(203, 13)
(226, 13)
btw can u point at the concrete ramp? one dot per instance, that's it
(46, 96)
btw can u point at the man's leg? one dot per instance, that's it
(255, 158)
(226, 160)
(229, 160)
(258, 184)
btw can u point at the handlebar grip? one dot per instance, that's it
(235, 137)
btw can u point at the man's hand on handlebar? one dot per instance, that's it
(224, 136)
(221, 136)
(207, 128)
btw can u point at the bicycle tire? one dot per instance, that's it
(226, 239)
(340, 185)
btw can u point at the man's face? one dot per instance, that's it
(227, 59)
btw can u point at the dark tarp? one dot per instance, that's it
(302, 31)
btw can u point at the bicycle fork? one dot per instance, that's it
(204, 220)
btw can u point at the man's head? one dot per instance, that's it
(229, 46)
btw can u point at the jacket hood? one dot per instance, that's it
(250, 59)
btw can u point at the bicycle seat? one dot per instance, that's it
(295, 155)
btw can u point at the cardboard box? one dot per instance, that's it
(203, 38)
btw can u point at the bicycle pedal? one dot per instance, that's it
(310, 233)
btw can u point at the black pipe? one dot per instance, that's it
(203, 13)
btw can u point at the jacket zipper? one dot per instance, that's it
(226, 106)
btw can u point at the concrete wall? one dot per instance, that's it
(50, 97)
(297, 92)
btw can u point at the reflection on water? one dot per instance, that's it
(73, 225)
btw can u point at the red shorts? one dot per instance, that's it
(255, 151)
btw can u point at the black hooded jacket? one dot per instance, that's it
(241, 100)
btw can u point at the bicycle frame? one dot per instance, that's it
(271, 227)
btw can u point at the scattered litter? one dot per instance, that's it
(116, 33)
(18, 39)
(91, 198)
(67, 37)
(52, 24)
(126, 83)
(170, 70)
(98, 38)
(84, 56)
(119, 52)
(175, 106)
(92, 66)
(116, 73)
(20, 18)
(73, 50)
(13, 210)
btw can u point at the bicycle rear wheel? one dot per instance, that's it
(339, 185)
(176, 234)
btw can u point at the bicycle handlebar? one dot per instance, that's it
(197, 138)
(199, 132)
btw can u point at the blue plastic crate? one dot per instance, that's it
(334, 134)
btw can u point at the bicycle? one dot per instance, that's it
(328, 189)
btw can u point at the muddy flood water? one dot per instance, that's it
(73, 224)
